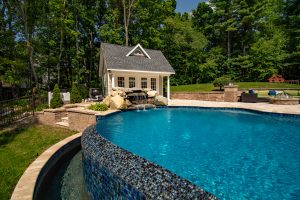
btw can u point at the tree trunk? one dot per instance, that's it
(30, 56)
(228, 44)
(28, 34)
(91, 55)
(125, 22)
(60, 48)
(126, 16)
(77, 40)
(59, 56)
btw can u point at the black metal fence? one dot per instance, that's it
(15, 109)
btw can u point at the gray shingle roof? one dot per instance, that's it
(115, 58)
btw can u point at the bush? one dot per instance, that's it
(20, 103)
(83, 90)
(222, 81)
(56, 101)
(98, 107)
(41, 107)
(75, 95)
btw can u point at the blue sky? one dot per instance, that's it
(187, 5)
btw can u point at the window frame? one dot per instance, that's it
(130, 79)
(153, 84)
(121, 81)
(144, 81)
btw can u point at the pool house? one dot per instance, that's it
(134, 68)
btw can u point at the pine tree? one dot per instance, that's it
(75, 95)
(56, 101)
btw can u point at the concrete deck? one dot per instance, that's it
(265, 107)
(25, 187)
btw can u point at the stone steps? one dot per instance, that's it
(65, 119)
(64, 122)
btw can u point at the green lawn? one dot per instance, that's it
(205, 87)
(20, 147)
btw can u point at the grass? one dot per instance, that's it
(18, 148)
(206, 87)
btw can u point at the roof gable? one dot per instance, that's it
(138, 51)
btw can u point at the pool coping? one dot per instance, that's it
(24, 189)
(291, 110)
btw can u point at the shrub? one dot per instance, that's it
(75, 95)
(41, 107)
(222, 81)
(20, 103)
(56, 100)
(83, 90)
(98, 107)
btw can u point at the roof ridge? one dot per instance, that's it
(129, 46)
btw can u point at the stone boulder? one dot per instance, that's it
(151, 93)
(117, 92)
(127, 103)
(160, 101)
(117, 102)
(107, 100)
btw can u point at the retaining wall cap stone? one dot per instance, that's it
(55, 110)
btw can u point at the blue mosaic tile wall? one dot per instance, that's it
(102, 184)
(111, 172)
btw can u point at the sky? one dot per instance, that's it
(187, 5)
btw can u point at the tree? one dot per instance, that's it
(183, 46)
(28, 13)
(57, 41)
(268, 55)
(222, 81)
(56, 100)
(291, 20)
(128, 6)
(75, 94)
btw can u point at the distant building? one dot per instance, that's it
(276, 79)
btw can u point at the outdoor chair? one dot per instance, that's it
(249, 98)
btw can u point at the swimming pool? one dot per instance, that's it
(231, 153)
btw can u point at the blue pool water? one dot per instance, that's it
(233, 154)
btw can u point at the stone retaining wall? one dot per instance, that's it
(51, 116)
(80, 119)
(230, 94)
(290, 101)
(203, 96)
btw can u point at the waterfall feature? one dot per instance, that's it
(137, 98)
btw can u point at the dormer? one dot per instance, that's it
(138, 51)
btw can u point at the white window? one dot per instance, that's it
(144, 83)
(153, 83)
(121, 82)
(131, 82)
